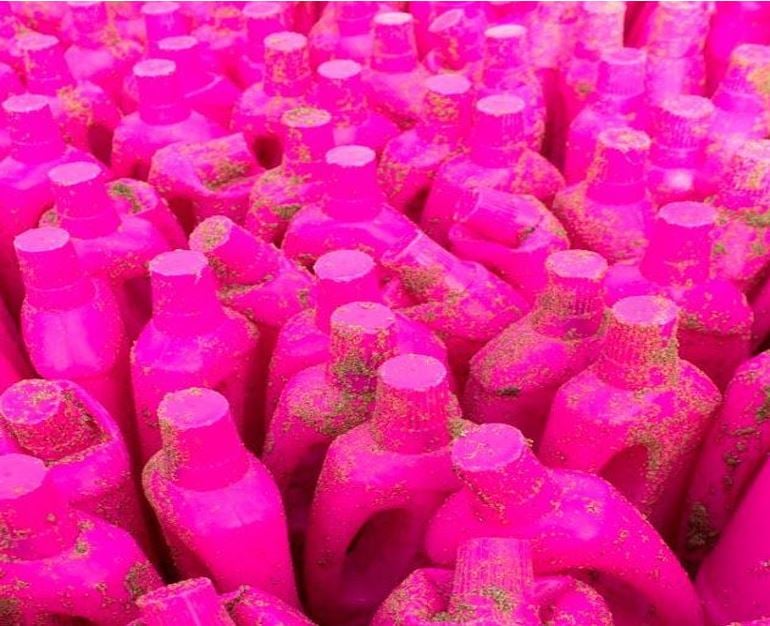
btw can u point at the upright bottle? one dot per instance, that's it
(341, 92)
(287, 85)
(262, 19)
(514, 377)
(191, 340)
(202, 466)
(353, 212)
(86, 115)
(279, 193)
(410, 161)
(396, 78)
(638, 415)
(610, 210)
(619, 100)
(88, 458)
(380, 484)
(164, 117)
(60, 564)
(25, 190)
(575, 521)
(497, 157)
(71, 322)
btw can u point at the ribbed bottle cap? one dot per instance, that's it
(394, 43)
(678, 28)
(44, 64)
(601, 24)
(505, 46)
(575, 283)
(47, 258)
(33, 131)
(287, 63)
(747, 180)
(747, 70)
(340, 85)
(447, 99)
(308, 134)
(263, 19)
(499, 120)
(621, 156)
(622, 72)
(682, 121)
(344, 276)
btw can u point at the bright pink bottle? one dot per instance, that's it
(262, 19)
(410, 161)
(61, 565)
(395, 78)
(353, 212)
(342, 276)
(599, 29)
(88, 459)
(99, 53)
(733, 579)
(715, 321)
(287, 85)
(344, 31)
(218, 506)
(210, 93)
(341, 92)
(25, 191)
(205, 178)
(511, 235)
(497, 157)
(610, 210)
(492, 583)
(86, 115)
(463, 303)
(731, 456)
(279, 193)
(741, 251)
(457, 35)
(740, 104)
(675, 43)
(71, 322)
(192, 340)
(638, 415)
(679, 132)
(574, 520)
(618, 100)
(507, 69)
(164, 117)
(514, 377)
(378, 488)
(111, 245)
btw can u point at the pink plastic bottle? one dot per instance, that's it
(741, 251)
(514, 377)
(262, 19)
(498, 157)
(599, 29)
(59, 422)
(460, 301)
(205, 178)
(733, 579)
(575, 521)
(111, 245)
(675, 43)
(510, 234)
(410, 161)
(395, 77)
(192, 340)
(492, 583)
(61, 565)
(341, 92)
(342, 277)
(740, 104)
(638, 415)
(71, 322)
(353, 212)
(457, 36)
(610, 210)
(218, 506)
(715, 321)
(344, 31)
(99, 53)
(679, 132)
(86, 115)
(618, 100)
(378, 488)
(732, 454)
(164, 117)
(279, 193)
(25, 191)
(287, 85)
(507, 69)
